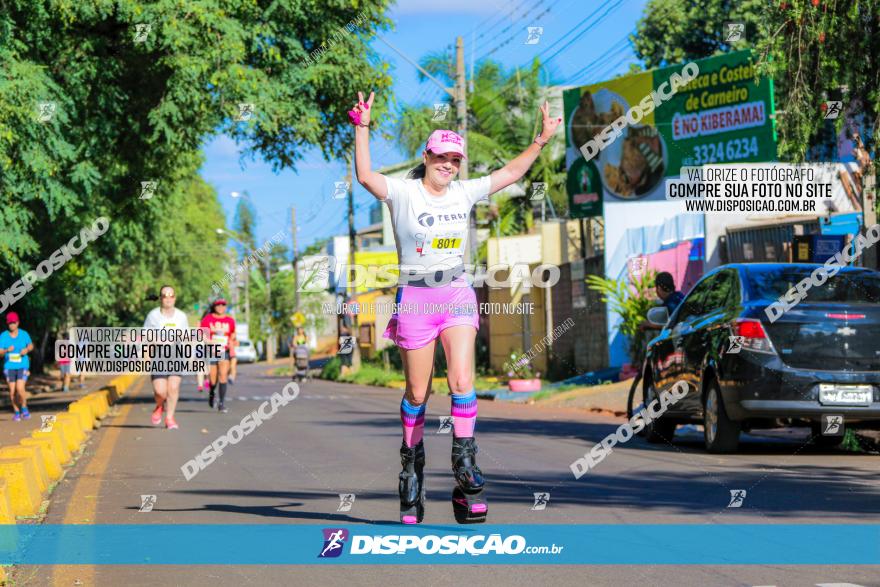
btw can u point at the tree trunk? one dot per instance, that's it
(37, 367)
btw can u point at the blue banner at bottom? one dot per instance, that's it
(584, 544)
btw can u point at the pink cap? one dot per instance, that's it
(445, 141)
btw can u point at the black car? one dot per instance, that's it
(820, 358)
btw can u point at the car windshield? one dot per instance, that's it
(846, 286)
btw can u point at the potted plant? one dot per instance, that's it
(521, 376)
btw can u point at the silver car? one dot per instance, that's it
(245, 352)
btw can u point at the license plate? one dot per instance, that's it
(845, 395)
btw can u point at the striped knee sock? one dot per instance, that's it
(413, 419)
(464, 413)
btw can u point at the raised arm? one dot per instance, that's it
(373, 182)
(515, 169)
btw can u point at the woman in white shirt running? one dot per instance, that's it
(429, 214)
(166, 387)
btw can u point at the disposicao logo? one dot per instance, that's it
(334, 539)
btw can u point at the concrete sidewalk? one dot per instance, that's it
(51, 402)
(608, 399)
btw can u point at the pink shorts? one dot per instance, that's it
(423, 312)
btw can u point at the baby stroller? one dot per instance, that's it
(301, 363)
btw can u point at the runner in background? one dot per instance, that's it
(15, 344)
(203, 380)
(64, 364)
(221, 330)
(166, 387)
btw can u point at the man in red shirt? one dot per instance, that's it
(221, 331)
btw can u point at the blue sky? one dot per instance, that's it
(422, 26)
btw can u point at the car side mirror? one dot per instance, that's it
(658, 316)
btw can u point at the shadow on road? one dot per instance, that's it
(276, 511)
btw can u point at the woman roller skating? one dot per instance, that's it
(429, 213)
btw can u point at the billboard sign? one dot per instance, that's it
(721, 115)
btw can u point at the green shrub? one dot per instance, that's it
(331, 369)
(631, 302)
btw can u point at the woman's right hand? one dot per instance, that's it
(364, 107)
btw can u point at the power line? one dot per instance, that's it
(611, 53)
(518, 32)
(511, 37)
(503, 16)
(615, 6)
(604, 75)
(582, 33)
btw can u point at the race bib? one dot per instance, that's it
(220, 339)
(447, 243)
(14, 358)
(170, 325)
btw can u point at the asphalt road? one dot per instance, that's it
(338, 438)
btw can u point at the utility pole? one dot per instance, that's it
(270, 338)
(459, 94)
(352, 249)
(461, 101)
(295, 272)
(247, 297)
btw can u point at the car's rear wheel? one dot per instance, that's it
(721, 434)
(659, 430)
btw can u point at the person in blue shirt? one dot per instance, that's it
(15, 345)
(670, 298)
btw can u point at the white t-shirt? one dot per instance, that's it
(156, 319)
(431, 231)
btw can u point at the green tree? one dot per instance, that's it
(814, 50)
(818, 51)
(93, 103)
(316, 247)
(245, 225)
(675, 31)
(279, 254)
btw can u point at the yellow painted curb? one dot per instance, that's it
(50, 461)
(72, 431)
(112, 395)
(59, 442)
(6, 514)
(80, 424)
(90, 408)
(99, 399)
(21, 479)
(122, 382)
(84, 413)
(34, 454)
